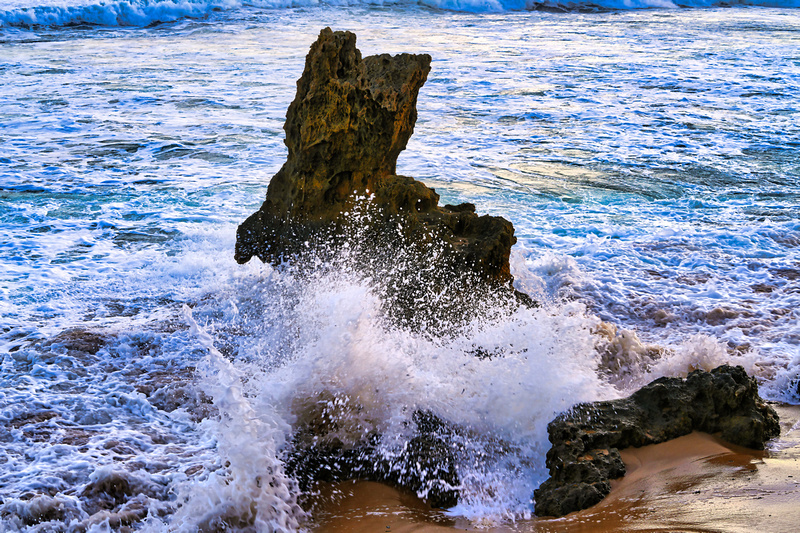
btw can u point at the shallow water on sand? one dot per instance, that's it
(695, 483)
(646, 158)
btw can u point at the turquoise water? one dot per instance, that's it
(647, 158)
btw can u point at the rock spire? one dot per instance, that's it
(349, 121)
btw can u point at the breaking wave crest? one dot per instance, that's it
(59, 13)
(314, 352)
(319, 350)
(228, 394)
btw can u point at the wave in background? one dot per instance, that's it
(27, 13)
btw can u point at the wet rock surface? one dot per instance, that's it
(349, 121)
(586, 440)
(425, 466)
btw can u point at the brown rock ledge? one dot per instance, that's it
(586, 440)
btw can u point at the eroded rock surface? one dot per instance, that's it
(349, 121)
(586, 440)
(426, 466)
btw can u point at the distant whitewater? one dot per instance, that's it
(26, 13)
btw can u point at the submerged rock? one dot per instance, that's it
(586, 440)
(426, 465)
(349, 121)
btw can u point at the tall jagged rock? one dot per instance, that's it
(350, 120)
(586, 440)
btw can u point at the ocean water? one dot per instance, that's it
(648, 159)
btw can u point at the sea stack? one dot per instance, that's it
(349, 121)
(586, 440)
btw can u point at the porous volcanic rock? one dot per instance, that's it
(349, 121)
(586, 440)
(426, 465)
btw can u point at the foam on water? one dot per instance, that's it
(83, 442)
(184, 448)
(346, 353)
(248, 488)
(292, 342)
(111, 13)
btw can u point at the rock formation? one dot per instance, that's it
(349, 121)
(426, 465)
(586, 440)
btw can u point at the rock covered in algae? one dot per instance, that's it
(349, 121)
(586, 440)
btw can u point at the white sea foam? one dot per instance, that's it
(374, 375)
(328, 342)
(247, 487)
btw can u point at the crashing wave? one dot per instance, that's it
(59, 13)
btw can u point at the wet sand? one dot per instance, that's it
(696, 483)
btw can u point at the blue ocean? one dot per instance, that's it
(646, 151)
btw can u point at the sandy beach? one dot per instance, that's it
(695, 483)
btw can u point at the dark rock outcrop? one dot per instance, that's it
(586, 440)
(349, 121)
(426, 465)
